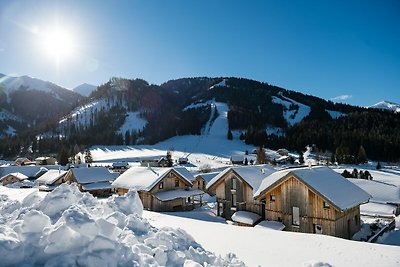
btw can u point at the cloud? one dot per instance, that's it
(341, 97)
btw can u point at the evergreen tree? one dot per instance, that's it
(127, 138)
(261, 157)
(88, 156)
(169, 159)
(63, 156)
(246, 162)
(362, 155)
(301, 158)
(333, 159)
(378, 166)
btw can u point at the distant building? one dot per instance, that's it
(51, 179)
(120, 166)
(15, 177)
(45, 161)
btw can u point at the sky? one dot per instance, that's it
(345, 51)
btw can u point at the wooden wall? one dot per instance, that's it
(290, 193)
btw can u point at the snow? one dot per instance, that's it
(10, 83)
(291, 116)
(331, 185)
(197, 105)
(207, 176)
(335, 114)
(50, 176)
(253, 175)
(140, 178)
(70, 228)
(270, 225)
(93, 175)
(30, 171)
(258, 247)
(245, 217)
(275, 131)
(174, 194)
(16, 194)
(18, 175)
(378, 209)
(133, 122)
(220, 84)
(84, 89)
(381, 192)
(387, 105)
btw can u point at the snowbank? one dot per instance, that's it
(70, 228)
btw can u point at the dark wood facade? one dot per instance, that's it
(303, 210)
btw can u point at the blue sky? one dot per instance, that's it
(344, 50)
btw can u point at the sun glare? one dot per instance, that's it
(58, 44)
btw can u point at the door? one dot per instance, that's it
(317, 229)
(296, 216)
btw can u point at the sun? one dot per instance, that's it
(58, 43)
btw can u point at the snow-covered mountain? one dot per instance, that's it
(387, 105)
(84, 89)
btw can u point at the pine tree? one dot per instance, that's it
(362, 155)
(378, 166)
(261, 157)
(127, 138)
(169, 158)
(301, 158)
(88, 156)
(63, 156)
(229, 135)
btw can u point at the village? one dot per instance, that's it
(283, 195)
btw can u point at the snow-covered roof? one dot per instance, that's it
(253, 175)
(142, 178)
(236, 158)
(120, 164)
(378, 209)
(380, 192)
(174, 194)
(30, 171)
(207, 176)
(270, 225)
(185, 173)
(51, 176)
(332, 186)
(93, 175)
(96, 186)
(245, 217)
(18, 175)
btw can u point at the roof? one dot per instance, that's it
(142, 178)
(120, 164)
(51, 176)
(185, 173)
(18, 175)
(245, 217)
(174, 194)
(93, 175)
(30, 171)
(207, 176)
(96, 186)
(329, 184)
(380, 192)
(378, 209)
(253, 175)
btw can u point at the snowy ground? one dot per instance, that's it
(263, 247)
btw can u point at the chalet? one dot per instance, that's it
(202, 179)
(120, 167)
(385, 198)
(154, 162)
(234, 188)
(15, 177)
(183, 160)
(45, 161)
(283, 152)
(160, 189)
(237, 159)
(51, 179)
(312, 200)
(95, 180)
(23, 161)
(32, 171)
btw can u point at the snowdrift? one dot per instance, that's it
(70, 228)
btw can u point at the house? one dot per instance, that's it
(202, 179)
(45, 161)
(237, 159)
(120, 167)
(95, 180)
(160, 189)
(51, 179)
(234, 189)
(15, 177)
(385, 198)
(183, 160)
(312, 200)
(155, 162)
(283, 152)
(23, 161)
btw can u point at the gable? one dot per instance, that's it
(168, 179)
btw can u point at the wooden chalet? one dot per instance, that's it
(15, 177)
(160, 189)
(234, 188)
(312, 200)
(201, 180)
(120, 167)
(51, 179)
(95, 180)
(45, 161)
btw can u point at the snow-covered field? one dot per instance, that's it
(262, 247)
(70, 228)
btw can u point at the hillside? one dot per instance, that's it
(84, 89)
(134, 112)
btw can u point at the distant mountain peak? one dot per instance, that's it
(84, 89)
(388, 105)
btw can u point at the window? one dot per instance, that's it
(317, 229)
(326, 205)
(234, 199)
(161, 185)
(234, 183)
(272, 198)
(204, 184)
(176, 182)
(296, 216)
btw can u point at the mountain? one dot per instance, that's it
(130, 112)
(387, 106)
(85, 89)
(27, 102)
